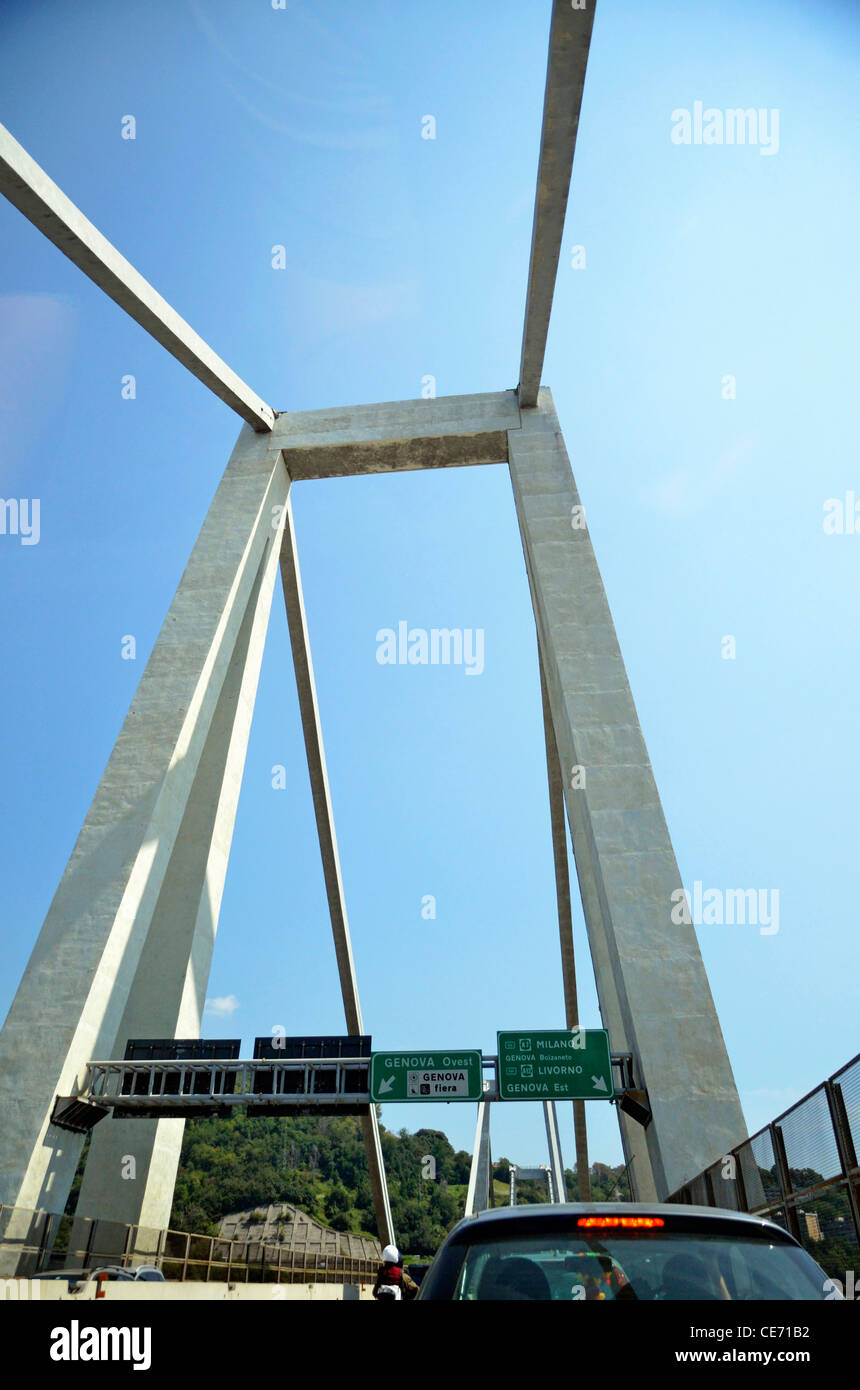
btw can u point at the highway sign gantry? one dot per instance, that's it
(407, 1076)
(555, 1064)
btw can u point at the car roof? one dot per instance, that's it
(717, 1215)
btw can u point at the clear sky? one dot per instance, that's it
(406, 257)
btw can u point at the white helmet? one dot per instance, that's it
(391, 1255)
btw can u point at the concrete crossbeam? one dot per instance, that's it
(570, 38)
(445, 432)
(651, 981)
(397, 455)
(29, 188)
(409, 419)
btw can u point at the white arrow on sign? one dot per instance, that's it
(598, 1083)
(387, 1085)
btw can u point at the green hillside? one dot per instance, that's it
(319, 1165)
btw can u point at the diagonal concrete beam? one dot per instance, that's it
(479, 1191)
(565, 925)
(32, 192)
(569, 40)
(294, 600)
(556, 1162)
(309, 709)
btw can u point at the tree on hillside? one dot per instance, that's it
(319, 1166)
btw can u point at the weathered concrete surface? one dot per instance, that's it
(169, 989)
(312, 730)
(651, 981)
(397, 455)
(636, 1154)
(32, 192)
(445, 432)
(122, 880)
(410, 419)
(570, 37)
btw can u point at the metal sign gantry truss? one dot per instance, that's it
(278, 1086)
(126, 947)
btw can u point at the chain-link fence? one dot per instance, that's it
(800, 1171)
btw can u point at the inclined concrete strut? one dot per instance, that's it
(569, 42)
(565, 927)
(32, 192)
(128, 938)
(480, 1187)
(309, 708)
(556, 1162)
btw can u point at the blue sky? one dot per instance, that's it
(406, 257)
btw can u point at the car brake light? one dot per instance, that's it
(638, 1223)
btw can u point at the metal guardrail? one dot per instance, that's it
(801, 1171)
(35, 1242)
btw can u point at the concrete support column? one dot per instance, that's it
(169, 989)
(318, 772)
(481, 1172)
(636, 1156)
(653, 990)
(565, 927)
(556, 1162)
(143, 886)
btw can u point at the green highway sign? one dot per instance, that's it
(555, 1064)
(405, 1076)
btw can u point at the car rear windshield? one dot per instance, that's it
(633, 1265)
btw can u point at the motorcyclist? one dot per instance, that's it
(392, 1281)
